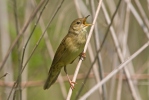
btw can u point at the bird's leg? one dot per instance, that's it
(70, 82)
(82, 56)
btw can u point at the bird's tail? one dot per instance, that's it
(52, 76)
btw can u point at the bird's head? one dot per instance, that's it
(79, 24)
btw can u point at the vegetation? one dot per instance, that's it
(116, 66)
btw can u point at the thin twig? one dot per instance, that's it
(124, 47)
(113, 79)
(87, 94)
(51, 54)
(21, 33)
(116, 43)
(91, 56)
(4, 75)
(85, 48)
(16, 16)
(42, 34)
(90, 50)
(18, 52)
(24, 48)
(100, 70)
(39, 38)
(77, 8)
(19, 75)
(142, 13)
(106, 34)
(138, 18)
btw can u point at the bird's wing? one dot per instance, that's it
(60, 52)
(56, 67)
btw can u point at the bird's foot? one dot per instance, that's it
(82, 56)
(72, 84)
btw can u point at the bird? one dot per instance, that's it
(69, 49)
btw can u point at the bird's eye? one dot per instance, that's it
(78, 22)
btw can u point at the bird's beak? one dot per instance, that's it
(84, 22)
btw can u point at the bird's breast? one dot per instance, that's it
(76, 43)
(74, 46)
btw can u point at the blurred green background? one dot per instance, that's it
(130, 36)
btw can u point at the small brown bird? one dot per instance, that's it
(69, 49)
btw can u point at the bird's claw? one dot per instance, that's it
(72, 84)
(82, 56)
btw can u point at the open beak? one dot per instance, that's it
(84, 22)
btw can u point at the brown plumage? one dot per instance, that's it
(69, 49)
